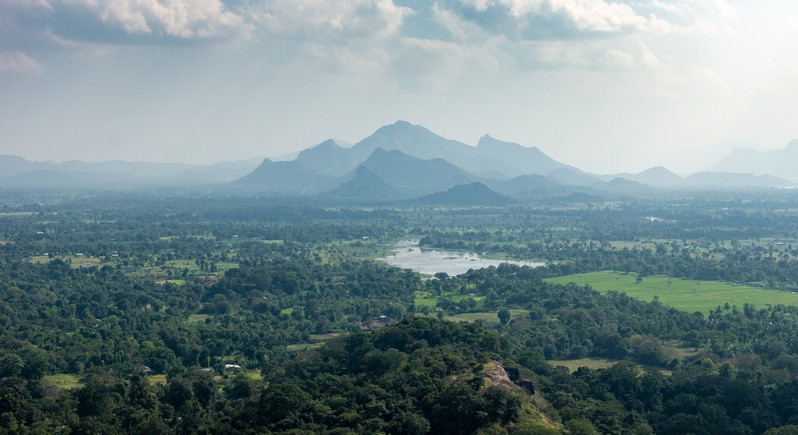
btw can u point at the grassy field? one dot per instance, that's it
(683, 294)
(316, 341)
(171, 281)
(16, 213)
(487, 317)
(592, 363)
(198, 237)
(75, 261)
(194, 319)
(428, 299)
(425, 299)
(157, 379)
(303, 346)
(64, 381)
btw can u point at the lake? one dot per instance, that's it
(407, 255)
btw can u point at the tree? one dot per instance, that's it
(504, 316)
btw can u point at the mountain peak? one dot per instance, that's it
(328, 158)
(475, 193)
(365, 184)
(659, 170)
(488, 140)
(779, 163)
(329, 143)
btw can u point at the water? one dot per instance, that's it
(408, 255)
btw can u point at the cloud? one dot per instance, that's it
(183, 19)
(536, 19)
(336, 19)
(20, 63)
(702, 17)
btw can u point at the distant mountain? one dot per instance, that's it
(657, 176)
(467, 194)
(416, 162)
(286, 178)
(221, 172)
(16, 171)
(526, 187)
(47, 179)
(403, 160)
(490, 158)
(14, 165)
(329, 158)
(778, 163)
(136, 169)
(366, 186)
(413, 140)
(517, 160)
(663, 178)
(414, 176)
(728, 180)
(622, 185)
(572, 177)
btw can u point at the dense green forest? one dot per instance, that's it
(134, 313)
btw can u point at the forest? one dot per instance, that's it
(206, 314)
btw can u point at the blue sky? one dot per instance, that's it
(607, 86)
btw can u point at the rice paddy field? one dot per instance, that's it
(683, 294)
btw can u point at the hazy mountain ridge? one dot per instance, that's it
(328, 158)
(17, 171)
(470, 194)
(522, 160)
(778, 163)
(286, 178)
(404, 161)
(364, 185)
(413, 175)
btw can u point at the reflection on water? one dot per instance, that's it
(408, 255)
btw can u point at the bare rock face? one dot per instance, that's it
(509, 377)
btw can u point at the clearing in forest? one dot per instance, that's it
(683, 294)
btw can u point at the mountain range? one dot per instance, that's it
(16, 172)
(779, 163)
(403, 162)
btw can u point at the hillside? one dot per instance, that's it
(364, 186)
(414, 176)
(328, 158)
(466, 194)
(778, 163)
(288, 178)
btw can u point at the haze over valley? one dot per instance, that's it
(403, 161)
(397, 217)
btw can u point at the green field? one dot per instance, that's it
(75, 261)
(63, 381)
(490, 317)
(194, 319)
(683, 294)
(16, 213)
(592, 363)
(424, 298)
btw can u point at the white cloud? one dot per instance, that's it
(576, 15)
(648, 58)
(185, 19)
(360, 60)
(706, 16)
(620, 58)
(20, 63)
(446, 59)
(351, 19)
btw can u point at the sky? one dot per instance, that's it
(607, 86)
